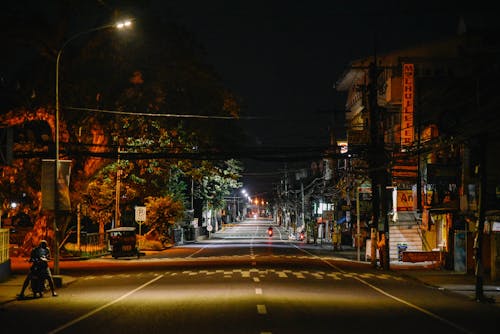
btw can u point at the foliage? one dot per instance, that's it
(99, 197)
(163, 212)
(148, 244)
(108, 82)
(217, 181)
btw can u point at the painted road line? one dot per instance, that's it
(387, 294)
(261, 309)
(94, 311)
(199, 250)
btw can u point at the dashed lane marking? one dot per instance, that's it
(261, 309)
(299, 275)
(282, 275)
(335, 276)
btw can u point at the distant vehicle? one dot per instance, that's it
(270, 231)
(123, 242)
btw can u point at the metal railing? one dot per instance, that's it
(91, 245)
(4, 245)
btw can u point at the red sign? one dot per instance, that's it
(407, 105)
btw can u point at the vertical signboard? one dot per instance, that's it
(407, 105)
(48, 184)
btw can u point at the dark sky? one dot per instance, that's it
(283, 58)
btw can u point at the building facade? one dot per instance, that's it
(422, 124)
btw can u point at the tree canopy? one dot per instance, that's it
(137, 91)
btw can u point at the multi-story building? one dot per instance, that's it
(436, 110)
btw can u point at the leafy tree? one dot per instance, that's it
(218, 181)
(109, 82)
(163, 212)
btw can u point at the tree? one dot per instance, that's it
(108, 83)
(218, 181)
(163, 212)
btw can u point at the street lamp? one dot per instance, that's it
(119, 25)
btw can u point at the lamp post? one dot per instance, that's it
(118, 25)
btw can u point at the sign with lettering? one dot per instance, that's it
(404, 200)
(140, 213)
(407, 105)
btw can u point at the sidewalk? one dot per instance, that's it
(10, 288)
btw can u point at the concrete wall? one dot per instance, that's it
(5, 271)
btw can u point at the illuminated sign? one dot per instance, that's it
(404, 200)
(407, 105)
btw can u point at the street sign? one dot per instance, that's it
(140, 213)
(209, 228)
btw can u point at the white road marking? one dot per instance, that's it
(261, 309)
(258, 291)
(416, 307)
(282, 274)
(89, 314)
(299, 275)
(199, 250)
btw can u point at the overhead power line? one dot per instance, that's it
(133, 113)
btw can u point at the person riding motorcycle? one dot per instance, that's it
(39, 256)
(270, 231)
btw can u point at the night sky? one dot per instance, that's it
(282, 58)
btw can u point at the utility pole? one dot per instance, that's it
(373, 157)
(482, 201)
(478, 242)
(378, 169)
(302, 220)
(78, 224)
(358, 222)
(117, 195)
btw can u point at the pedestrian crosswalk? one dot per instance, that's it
(261, 274)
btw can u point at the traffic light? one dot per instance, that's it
(6, 142)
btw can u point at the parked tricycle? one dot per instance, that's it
(123, 242)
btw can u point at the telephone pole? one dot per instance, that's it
(378, 170)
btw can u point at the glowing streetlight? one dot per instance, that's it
(118, 25)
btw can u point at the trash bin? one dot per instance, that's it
(177, 236)
(401, 248)
(189, 233)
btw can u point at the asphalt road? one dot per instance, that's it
(242, 281)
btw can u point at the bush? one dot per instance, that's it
(151, 245)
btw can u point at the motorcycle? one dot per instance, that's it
(38, 282)
(302, 236)
(270, 231)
